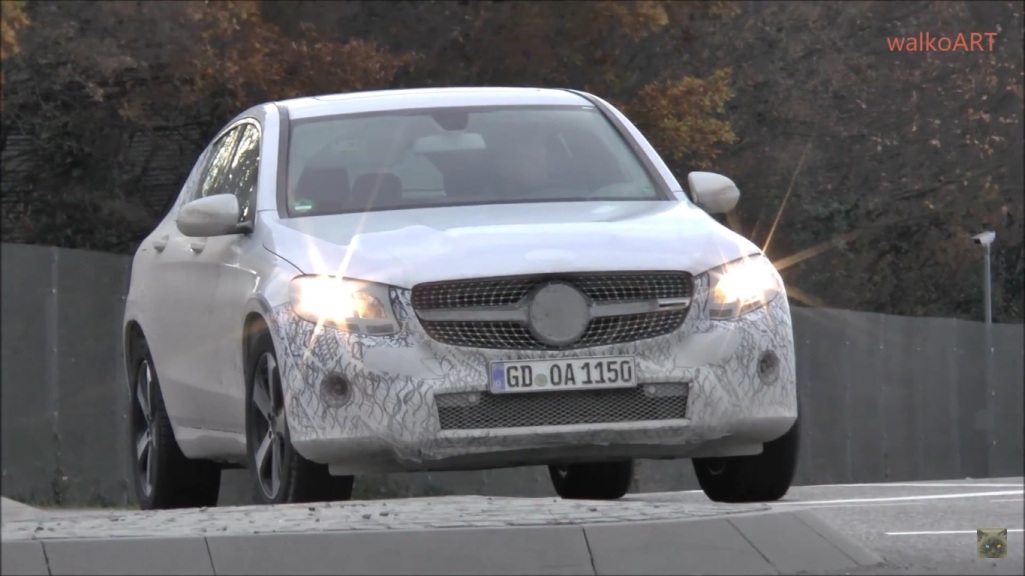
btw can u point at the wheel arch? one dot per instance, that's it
(132, 335)
(256, 321)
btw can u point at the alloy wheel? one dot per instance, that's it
(145, 436)
(268, 419)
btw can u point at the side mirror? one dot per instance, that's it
(211, 216)
(714, 193)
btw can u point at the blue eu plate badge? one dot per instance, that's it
(498, 375)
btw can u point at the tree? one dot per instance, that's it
(863, 171)
(89, 104)
(875, 167)
(629, 53)
(83, 101)
(12, 20)
(233, 58)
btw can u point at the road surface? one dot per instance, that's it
(912, 528)
(917, 527)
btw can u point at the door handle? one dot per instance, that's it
(197, 246)
(160, 243)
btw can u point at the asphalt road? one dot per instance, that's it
(918, 528)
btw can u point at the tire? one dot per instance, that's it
(163, 477)
(764, 477)
(280, 475)
(592, 481)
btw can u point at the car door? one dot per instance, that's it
(154, 301)
(185, 278)
(235, 282)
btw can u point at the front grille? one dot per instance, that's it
(483, 410)
(600, 287)
(510, 335)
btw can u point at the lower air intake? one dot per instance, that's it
(483, 410)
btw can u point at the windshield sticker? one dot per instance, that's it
(302, 206)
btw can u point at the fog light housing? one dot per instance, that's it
(335, 389)
(768, 367)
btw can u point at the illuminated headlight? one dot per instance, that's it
(741, 286)
(349, 305)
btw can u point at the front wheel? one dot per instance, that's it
(280, 474)
(592, 481)
(764, 477)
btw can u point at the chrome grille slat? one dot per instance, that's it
(600, 287)
(624, 287)
(504, 335)
(647, 402)
(614, 329)
(471, 294)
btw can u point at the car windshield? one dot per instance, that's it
(459, 156)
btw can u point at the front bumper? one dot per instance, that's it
(371, 403)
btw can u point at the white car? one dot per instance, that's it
(452, 279)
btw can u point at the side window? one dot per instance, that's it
(220, 160)
(240, 178)
(190, 190)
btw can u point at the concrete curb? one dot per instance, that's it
(748, 543)
(13, 511)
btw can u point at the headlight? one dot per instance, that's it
(741, 286)
(349, 305)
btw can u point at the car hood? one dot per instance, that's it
(407, 247)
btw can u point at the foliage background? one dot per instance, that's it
(864, 172)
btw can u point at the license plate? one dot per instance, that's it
(565, 374)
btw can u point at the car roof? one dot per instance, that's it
(387, 100)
